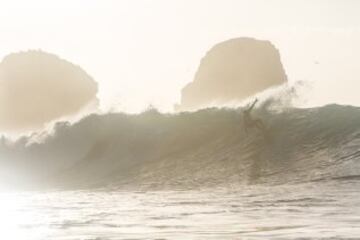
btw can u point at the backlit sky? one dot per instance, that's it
(144, 51)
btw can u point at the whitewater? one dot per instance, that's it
(192, 175)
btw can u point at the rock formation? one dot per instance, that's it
(37, 87)
(232, 71)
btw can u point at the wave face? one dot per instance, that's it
(190, 150)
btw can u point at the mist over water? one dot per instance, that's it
(197, 175)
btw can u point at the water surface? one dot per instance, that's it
(327, 210)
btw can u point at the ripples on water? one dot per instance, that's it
(318, 210)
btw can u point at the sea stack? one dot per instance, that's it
(233, 71)
(39, 87)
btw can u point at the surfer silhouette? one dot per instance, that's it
(250, 122)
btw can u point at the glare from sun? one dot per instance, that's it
(15, 221)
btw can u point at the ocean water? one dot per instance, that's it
(187, 176)
(314, 210)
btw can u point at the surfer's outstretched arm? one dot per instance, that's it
(252, 105)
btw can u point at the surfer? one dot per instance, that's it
(250, 122)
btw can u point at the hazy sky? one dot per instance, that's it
(145, 51)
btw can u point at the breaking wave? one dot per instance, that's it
(190, 150)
